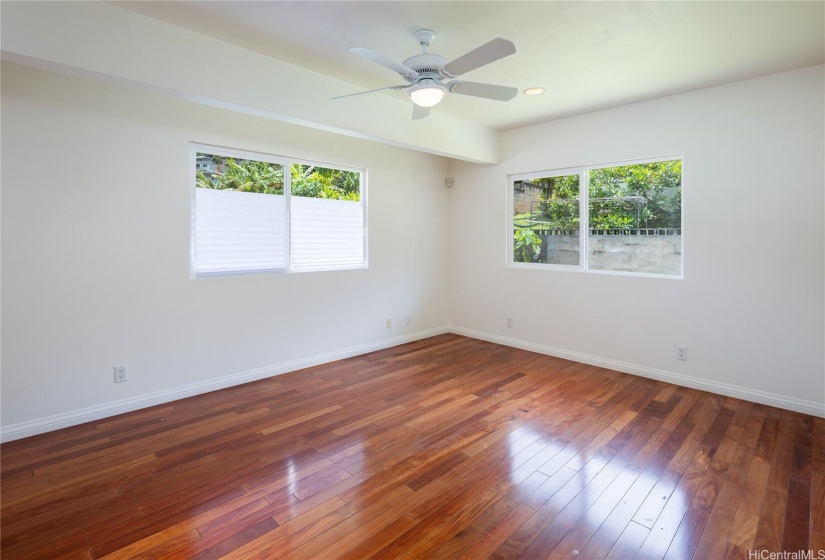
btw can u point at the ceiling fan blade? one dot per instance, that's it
(420, 112)
(370, 54)
(369, 91)
(485, 54)
(488, 91)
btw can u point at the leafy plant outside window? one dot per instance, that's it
(227, 173)
(527, 245)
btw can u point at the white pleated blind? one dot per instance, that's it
(237, 232)
(326, 234)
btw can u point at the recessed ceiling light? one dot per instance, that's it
(533, 91)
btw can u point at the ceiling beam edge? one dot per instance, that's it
(98, 41)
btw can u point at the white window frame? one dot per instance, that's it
(584, 218)
(286, 162)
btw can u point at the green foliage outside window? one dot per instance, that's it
(242, 175)
(559, 201)
(321, 182)
(228, 173)
(621, 199)
(527, 246)
(642, 195)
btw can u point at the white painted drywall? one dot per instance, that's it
(751, 306)
(95, 249)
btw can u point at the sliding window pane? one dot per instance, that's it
(635, 217)
(327, 218)
(546, 220)
(240, 218)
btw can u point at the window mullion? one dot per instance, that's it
(362, 181)
(288, 195)
(584, 217)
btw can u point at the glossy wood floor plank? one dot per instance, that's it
(443, 448)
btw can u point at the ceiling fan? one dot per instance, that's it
(429, 76)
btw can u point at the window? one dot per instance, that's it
(254, 213)
(611, 218)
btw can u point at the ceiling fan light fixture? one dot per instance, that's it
(534, 91)
(426, 73)
(426, 93)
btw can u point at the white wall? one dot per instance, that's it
(95, 249)
(751, 314)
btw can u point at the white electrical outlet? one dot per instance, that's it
(408, 318)
(681, 353)
(509, 323)
(388, 322)
(121, 374)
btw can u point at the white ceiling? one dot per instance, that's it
(588, 55)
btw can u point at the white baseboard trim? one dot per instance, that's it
(79, 416)
(736, 391)
(74, 417)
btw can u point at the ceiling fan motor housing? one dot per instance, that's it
(427, 65)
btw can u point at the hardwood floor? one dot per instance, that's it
(444, 448)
